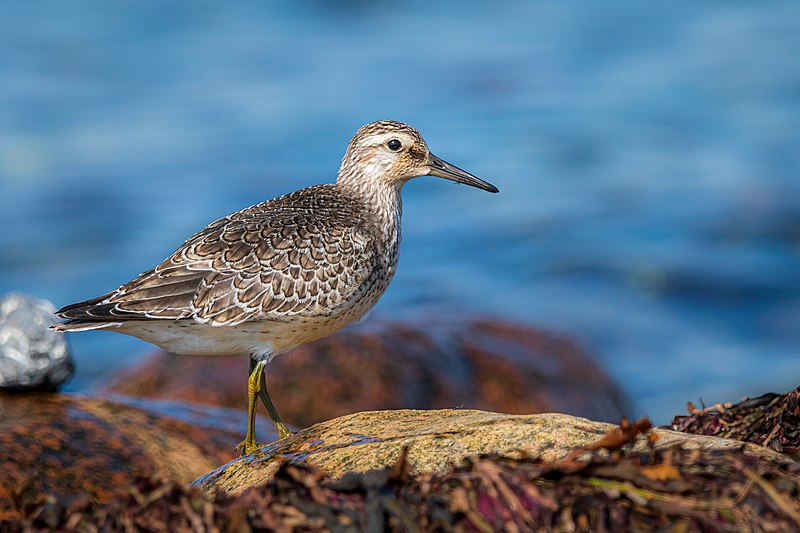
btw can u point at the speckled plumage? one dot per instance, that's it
(287, 271)
(316, 258)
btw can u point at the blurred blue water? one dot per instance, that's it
(648, 158)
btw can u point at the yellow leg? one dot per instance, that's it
(255, 382)
(257, 386)
(283, 431)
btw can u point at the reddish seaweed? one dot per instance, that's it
(772, 420)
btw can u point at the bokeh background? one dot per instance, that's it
(648, 157)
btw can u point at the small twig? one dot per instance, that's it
(771, 435)
(745, 491)
(718, 407)
(784, 504)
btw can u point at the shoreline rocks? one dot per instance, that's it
(683, 483)
(71, 461)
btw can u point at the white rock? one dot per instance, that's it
(31, 355)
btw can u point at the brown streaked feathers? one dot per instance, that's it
(302, 254)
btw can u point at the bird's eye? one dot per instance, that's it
(394, 145)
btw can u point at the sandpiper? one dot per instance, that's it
(273, 276)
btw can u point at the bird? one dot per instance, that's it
(280, 273)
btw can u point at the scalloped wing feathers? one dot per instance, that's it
(303, 254)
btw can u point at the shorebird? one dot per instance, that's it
(281, 273)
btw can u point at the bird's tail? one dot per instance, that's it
(83, 325)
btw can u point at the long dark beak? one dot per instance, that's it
(442, 169)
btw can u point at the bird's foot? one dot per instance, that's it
(248, 447)
(283, 431)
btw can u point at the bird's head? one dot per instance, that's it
(390, 153)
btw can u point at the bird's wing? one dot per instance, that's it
(263, 263)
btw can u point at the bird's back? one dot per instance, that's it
(315, 256)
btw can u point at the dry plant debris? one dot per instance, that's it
(602, 487)
(771, 420)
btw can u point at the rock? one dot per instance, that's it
(67, 443)
(374, 440)
(482, 363)
(31, 355)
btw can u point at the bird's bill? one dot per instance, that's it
(442, 169)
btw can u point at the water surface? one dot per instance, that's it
(647, 157)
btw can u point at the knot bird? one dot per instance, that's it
(281, 273)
